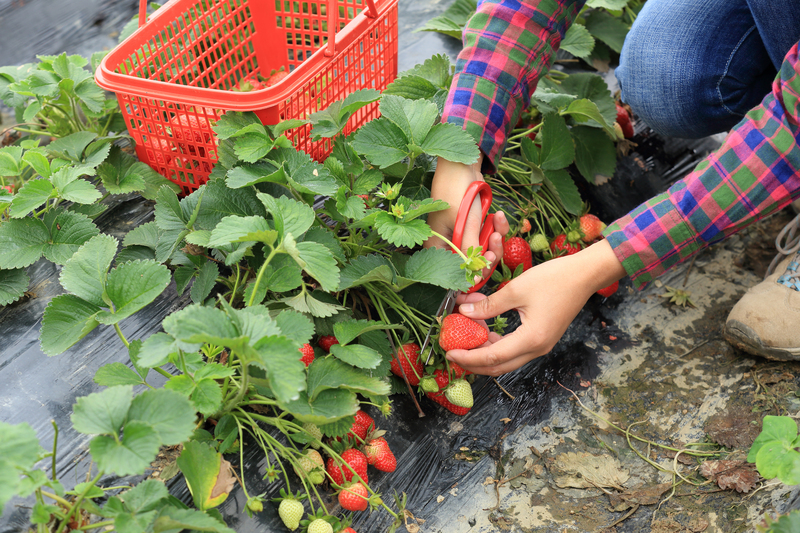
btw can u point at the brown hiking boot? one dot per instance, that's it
(766, 321)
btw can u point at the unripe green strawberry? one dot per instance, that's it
(459, 393)
(320, 526)
(539, 243)
(573, 236)
(428, 384)
(311, 466)
(291, 511)
(255, 505)
(315, 432)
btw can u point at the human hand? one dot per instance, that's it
(450, 183)
(548, 297)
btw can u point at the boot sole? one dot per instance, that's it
(744, 338)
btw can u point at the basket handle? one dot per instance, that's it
(333, 23)
(142, 12)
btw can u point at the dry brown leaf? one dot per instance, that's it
(734, 428)
(688, 460)
(639, 496)
(225, 480)
(730, 474)
(586, 471)
(698, 525)
(769, 379)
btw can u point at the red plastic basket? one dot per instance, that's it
(174, 76)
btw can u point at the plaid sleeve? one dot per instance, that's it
(753, 174)
(508, 44)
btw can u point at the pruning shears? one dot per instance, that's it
(487, 227)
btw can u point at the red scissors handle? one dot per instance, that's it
(487, 227)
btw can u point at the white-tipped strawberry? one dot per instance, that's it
(291, 511)
(459, 393)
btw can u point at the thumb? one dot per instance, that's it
(489, 307)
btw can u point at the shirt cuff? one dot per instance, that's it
(651, 239)
(485, 110)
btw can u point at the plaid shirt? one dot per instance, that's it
(508, 44)
(753, 174)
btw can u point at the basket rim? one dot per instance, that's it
(106, 78)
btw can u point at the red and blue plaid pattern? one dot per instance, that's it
(508, 44)
(754, 173)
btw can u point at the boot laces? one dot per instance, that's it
(787, 243)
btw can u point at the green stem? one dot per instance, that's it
(58, 499)
(121, 336)
(236, 283)
(455, 248)
(77, 503)
(241, 457)
(96, 525)
(55, 446)
(261, 275)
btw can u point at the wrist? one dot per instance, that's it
(599, 265)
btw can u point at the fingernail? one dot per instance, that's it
(466, 308)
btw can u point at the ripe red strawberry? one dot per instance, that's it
(503, 284)
(624, 121)
(458, 371)
(410, 362)
(461, 333)
(308, 354)
(277, 78)
(163, 152)
(380, 455)
(9, 188)
(526, 225)
(340, 473)
(251, 82)
(361, 427)
(353, 497)
(191, 129)
(326, 341)
(591, 227)
(363, 419)
(531, 135)
(608, 291)
(517, 252)
(364, 197)
(439, 398)
(562, 246)
(348, 530)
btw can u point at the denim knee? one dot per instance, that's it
(688, 70)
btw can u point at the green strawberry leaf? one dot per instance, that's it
(120, 173)
(412, 87)
(290, 216)
(84, 274)
(437, 266)
(303, 174)
(295, 326)
(351, 329)
(174, 519)
(452, 143)
(68, 232)
(66, 320)
(202, 468)
(578, 41)
(117, 373)
(242, 229)
(561, 185)
(365, 269)
(23, 241)
(129, 456)
(381, 142)
(306, 303)
(233, 122)
(131, 286)
(102, 413)
(331, 373)
(169, 413)
(31, 196)
(70, 187)
(590, 86)
(146, 496)
(408, 234)
(774, 428)
(357, 355)
(595, 153)
(436, 69)
(19, 446)
(452, 21)
(156, 350)
(558, 150)
(205, 282)
(11, 158)
(414, 117)
(265, 171)
(318, 263)
(327, 407)
(13, 284)
(326, 238)
(143, 235)
(72, 146)
(607, 28)
(331, 121)
(204, 394)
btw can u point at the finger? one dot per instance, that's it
(507, 354)
(501, 223)
(472, 297)
(496, 304)
(472, 228)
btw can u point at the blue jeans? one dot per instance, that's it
(692, 68)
